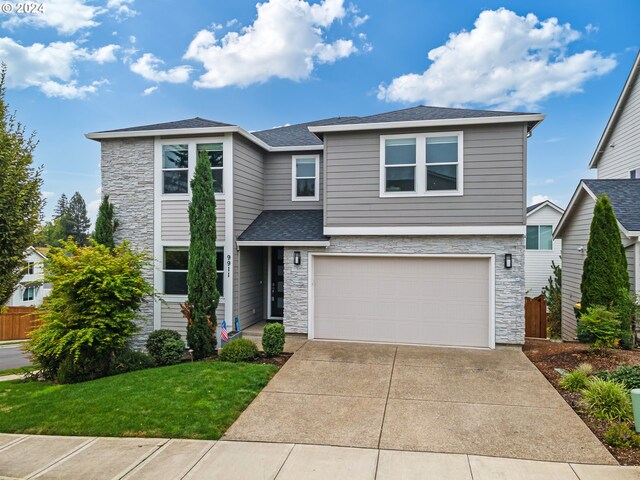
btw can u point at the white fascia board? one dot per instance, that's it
(427, 123)
(430, 230)
(545, 204)
(277, 243)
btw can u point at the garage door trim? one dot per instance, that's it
(492, 274)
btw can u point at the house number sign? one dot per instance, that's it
(228, 266)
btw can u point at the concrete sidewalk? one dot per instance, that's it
(53, 457)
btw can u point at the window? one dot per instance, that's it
(175, 169)
(214, 152)
(30, 268)
(305, 175)
(635, 173)
(425, 164)
(29, 293)
(539, 237)
(176, 266)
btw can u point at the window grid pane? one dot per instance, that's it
(532, 237)
(400, 151)
(400, 179)
(546, 240)
(442, 150)
(305, 168)
(442, 177)
(305, 187)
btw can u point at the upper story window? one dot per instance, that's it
(635, 173)
(175, 168)
(424, 164)
(176, 266)
(305, 177)
(30, 268)
(214, 152)
(539, 237)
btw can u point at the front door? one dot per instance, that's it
(277, 282)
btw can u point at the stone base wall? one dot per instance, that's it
(509, 287)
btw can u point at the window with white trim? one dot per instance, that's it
(175, 268)
(634, 174)
(305, 177)
(30, 268)
(214, 152)
(539, 237)
(29, 293)
(423, 164)
(175, 169)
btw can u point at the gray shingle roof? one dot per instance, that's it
(286, 226)
(295, 135)
(625, 199)
(196, 122)
(531, 208)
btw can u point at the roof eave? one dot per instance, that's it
(615, 114)
(533, 118)
(545, 204)
(283, 243)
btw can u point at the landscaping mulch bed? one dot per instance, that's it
(548, 356)
(278, 361)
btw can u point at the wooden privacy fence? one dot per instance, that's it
(535, 317)
(17, 322)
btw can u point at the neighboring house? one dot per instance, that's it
(541, 249)
(31, 290)
(617, 159)
(404, 227)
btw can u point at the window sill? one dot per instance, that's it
(456, 193)
(170, 298)
(185, 196)
(305, 199)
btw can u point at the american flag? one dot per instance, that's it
(224, 336)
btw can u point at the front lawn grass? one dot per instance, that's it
(191, 400)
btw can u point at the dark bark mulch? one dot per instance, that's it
(548, 355)
(278, 361)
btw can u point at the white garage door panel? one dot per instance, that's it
(436, 301)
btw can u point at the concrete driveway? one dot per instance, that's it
(480, 402)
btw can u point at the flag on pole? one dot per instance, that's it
(224, 336)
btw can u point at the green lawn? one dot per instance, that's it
(192, 400)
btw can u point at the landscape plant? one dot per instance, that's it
(89, 315)
(106, 224)
(553, 298)
(576, 380)
(606, 400)
(273, 339)
(601, 326)
(629, 375)
(203, 295)
(165, 346)
(239, 350)
(21, 201)
(620, 435)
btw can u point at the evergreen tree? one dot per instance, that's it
(61, 207)
(78, 221)
(203, 298)
(106, 224)
(20, 199)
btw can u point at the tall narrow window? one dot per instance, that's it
(30, 268)
(175, 268)
(305, 175)
(214, 152)
(400, 165)
(220, 261)
(442, 163)
(175, 169)
(29, 294)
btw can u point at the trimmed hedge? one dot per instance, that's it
(165, 346)
(239, 350)
(273, 339)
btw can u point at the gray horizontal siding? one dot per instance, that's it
(277, 183)
(622, 151)
(494, 173)
(175, 220)
(171, 318)
(251, 289)
(576, 235)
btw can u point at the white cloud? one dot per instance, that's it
(122, 9)
(590, 28)
(99, 191)
(286, 40)
(51, 68)
(150, 90)
(541, 198)
(506, 61)
(92, 208)
(47, 194)
(66, 16)
(148, 65)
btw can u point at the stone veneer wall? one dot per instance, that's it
(127, 177)
(509, 286)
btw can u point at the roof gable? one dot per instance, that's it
(538, 206)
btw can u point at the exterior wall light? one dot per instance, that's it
(296, 257)
(508, 262)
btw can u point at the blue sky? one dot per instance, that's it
(86, 65)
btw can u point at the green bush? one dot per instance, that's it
(620, 435)
(627, 374)
(165, 346)
(129, 360)
(239, 350)
(89, 316)
(607, 400)
(577, 379)
(273, 339)
(600, 325)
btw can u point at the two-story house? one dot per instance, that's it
(403, 227)
(32, 290)
(617, 160)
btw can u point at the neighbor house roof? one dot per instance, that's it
(285, 227)
(298, 134)
(537, 206)
(195, 122)
(625, 198)
(617, 111)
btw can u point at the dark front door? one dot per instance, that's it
(277, 281)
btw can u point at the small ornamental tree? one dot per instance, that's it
(203, 295)
(106, 224)
(89, 315)
(553, 297)
(78, 221)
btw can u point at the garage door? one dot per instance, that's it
(431, 301)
